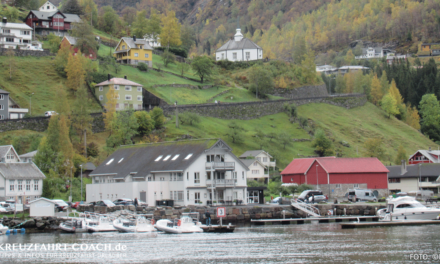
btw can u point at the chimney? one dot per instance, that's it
(5, 20)
(429, 148)
(125, 77)
(108, 77)
(403, 167)
(134, 38)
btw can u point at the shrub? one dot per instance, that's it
(142, 66)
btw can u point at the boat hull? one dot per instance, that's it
(162, 225)
(3, 230)
(98, 228)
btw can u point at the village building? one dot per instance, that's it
(190, 172)
(28, 156)
(154, 43)
(71, 41)
(48, 19)
(429, 49)
(13, 35)
(257, 170)
(424, 156)
(407, 178)
(87, 168)
(373, 53)
(335, 176)
(259, 163)
(42, 207)
(9, 109)
(19, 181)
(239, 49)
(129, 94)
(134, 51)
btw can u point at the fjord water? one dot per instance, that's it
(310, 243)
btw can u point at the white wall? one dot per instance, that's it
(42, 208)
(28, 193)
(254, 167)
(405, 185)
(255, 54)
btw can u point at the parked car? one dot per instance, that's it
(107, 203)
(125, 203)
(122, 200)
(143, 204)
(49, 113)
(60, 205)
(276, 200)
(318, 198)
(3, 210)
(309, 193)
(9, 207)
(361, 195)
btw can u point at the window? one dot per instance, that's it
(48, 7)
(2, 117)
(11, 185)
(101, 88)
(6, 31)
(338, 186)
(396, 180)
(264, 159)
(179, 195)
(139, 97)
(101, 97)
(255, 164)
(25, 32)
(58, 24)
(136, 54)
(149, 178)
(123, 46)
(223, 56)
(187, 176)
(234, 55)
(116, 87)
(139, 88)
(10, 155)
(248, 55)
(235, 195)
(128, 88)
(158, 158)
(2, 97)
(255, 172)
(189, 156)
(197, 177)
(146, 56)
(167, 158)
(197, 197)
(356, 185)
(208, 175)
(127, 97)
(187, 195)
(175, 157)
(234, 176)
(1, 107)
(28, 185)
(118, 97)
(171, 195)
(20, 185)
(9, 39)
(242, 175)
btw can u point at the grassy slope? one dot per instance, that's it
(358, 124)
(34, 75)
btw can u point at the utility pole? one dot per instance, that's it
(85, 144)
(177, 115)
(81, 182)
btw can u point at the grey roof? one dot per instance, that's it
(72, 40)
(16, 25)
(89, 166)
(47, 15)
(4, 150)
(252, 153)
(249, 162)
(21, 170)
(412, 171)
(245, 43)
(141, 158)
(3, 92)
(71, 18)
(132, 44)
(29, 154)
(42, 199)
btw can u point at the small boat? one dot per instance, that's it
(140, 225)
(407, 208)
(186, 224)
(75, 225)
(103, 224)
(3, 229)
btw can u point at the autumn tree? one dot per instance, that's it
(374, 148)
(389, 105)
(125, 127)
(10, 53)
(81, 118)
(299, 50)
(85, 39)
(170, 33)
(340, 84)
(412, 117)
(158, 117)
(110, 109)
(90, 11)
(376, 90)
(384, 83)
(62, 58)
(401, 155)
(308, 67)
(349, 57)
(145, 122)
(75, 72)
(62, 106)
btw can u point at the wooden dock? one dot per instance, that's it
(393, 223)
(329, 219)
(218, 228)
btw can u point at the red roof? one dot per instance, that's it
(300, 166)
(353, 165)
(336, 165)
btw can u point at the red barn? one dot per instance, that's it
(71, 41)
(335, 176)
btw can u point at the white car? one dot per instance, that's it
(50, 113)
(3, 210)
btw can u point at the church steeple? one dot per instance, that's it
(238, 36)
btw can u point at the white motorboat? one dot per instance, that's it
(407, 208)
(186, 224)
(3, 229)
(104, 224)
(74, 225)
(140, 225)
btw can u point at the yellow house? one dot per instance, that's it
(132, 51)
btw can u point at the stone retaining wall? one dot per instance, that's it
(301, 92)
(24, 53)
(184, 86)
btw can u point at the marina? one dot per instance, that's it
(331, 219)
(393, 223)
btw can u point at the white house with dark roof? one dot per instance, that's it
(20, 181)
(257, 170)
(189, 172)
(15, 34)
(239, 49)
(28, 156)
(406, 178)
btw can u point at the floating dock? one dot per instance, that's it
(393, 223)
(329, 219)
(218, 228)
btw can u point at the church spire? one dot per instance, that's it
(238, 36)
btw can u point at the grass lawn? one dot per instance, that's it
(105, 50)
(34, 75)
(186, 95)
(361, 123)
(174, 68)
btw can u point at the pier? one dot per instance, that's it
(393, 223)
(329, 219)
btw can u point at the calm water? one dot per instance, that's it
(310, 243)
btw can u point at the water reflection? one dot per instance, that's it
(309, 243)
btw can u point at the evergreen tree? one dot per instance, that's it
(322, 144)
(430, 113)
(385, 85)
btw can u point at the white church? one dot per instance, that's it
(239, 49)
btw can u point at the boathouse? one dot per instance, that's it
(335, 176)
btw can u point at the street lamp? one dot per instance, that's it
(81, 182)
(317, 185)
(30, 104)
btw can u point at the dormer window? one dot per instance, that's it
(48, 7)
(10, 155)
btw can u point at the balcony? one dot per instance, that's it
(220, 183)
(220, 166)
(434, 184)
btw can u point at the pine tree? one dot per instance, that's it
(110, 109)
(75, 72)
(170, 33)
(376, 90)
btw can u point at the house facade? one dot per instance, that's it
(239, 49)
(9, 109)
(15, 34)
(71, 41)
(189, 172)
(48, 19)
(424, 156)
(335, 176)
(151, 41)
(19, 181)
(256, 170)
(405, 178)
(129, 94)
(261, 168)
(133, 51)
